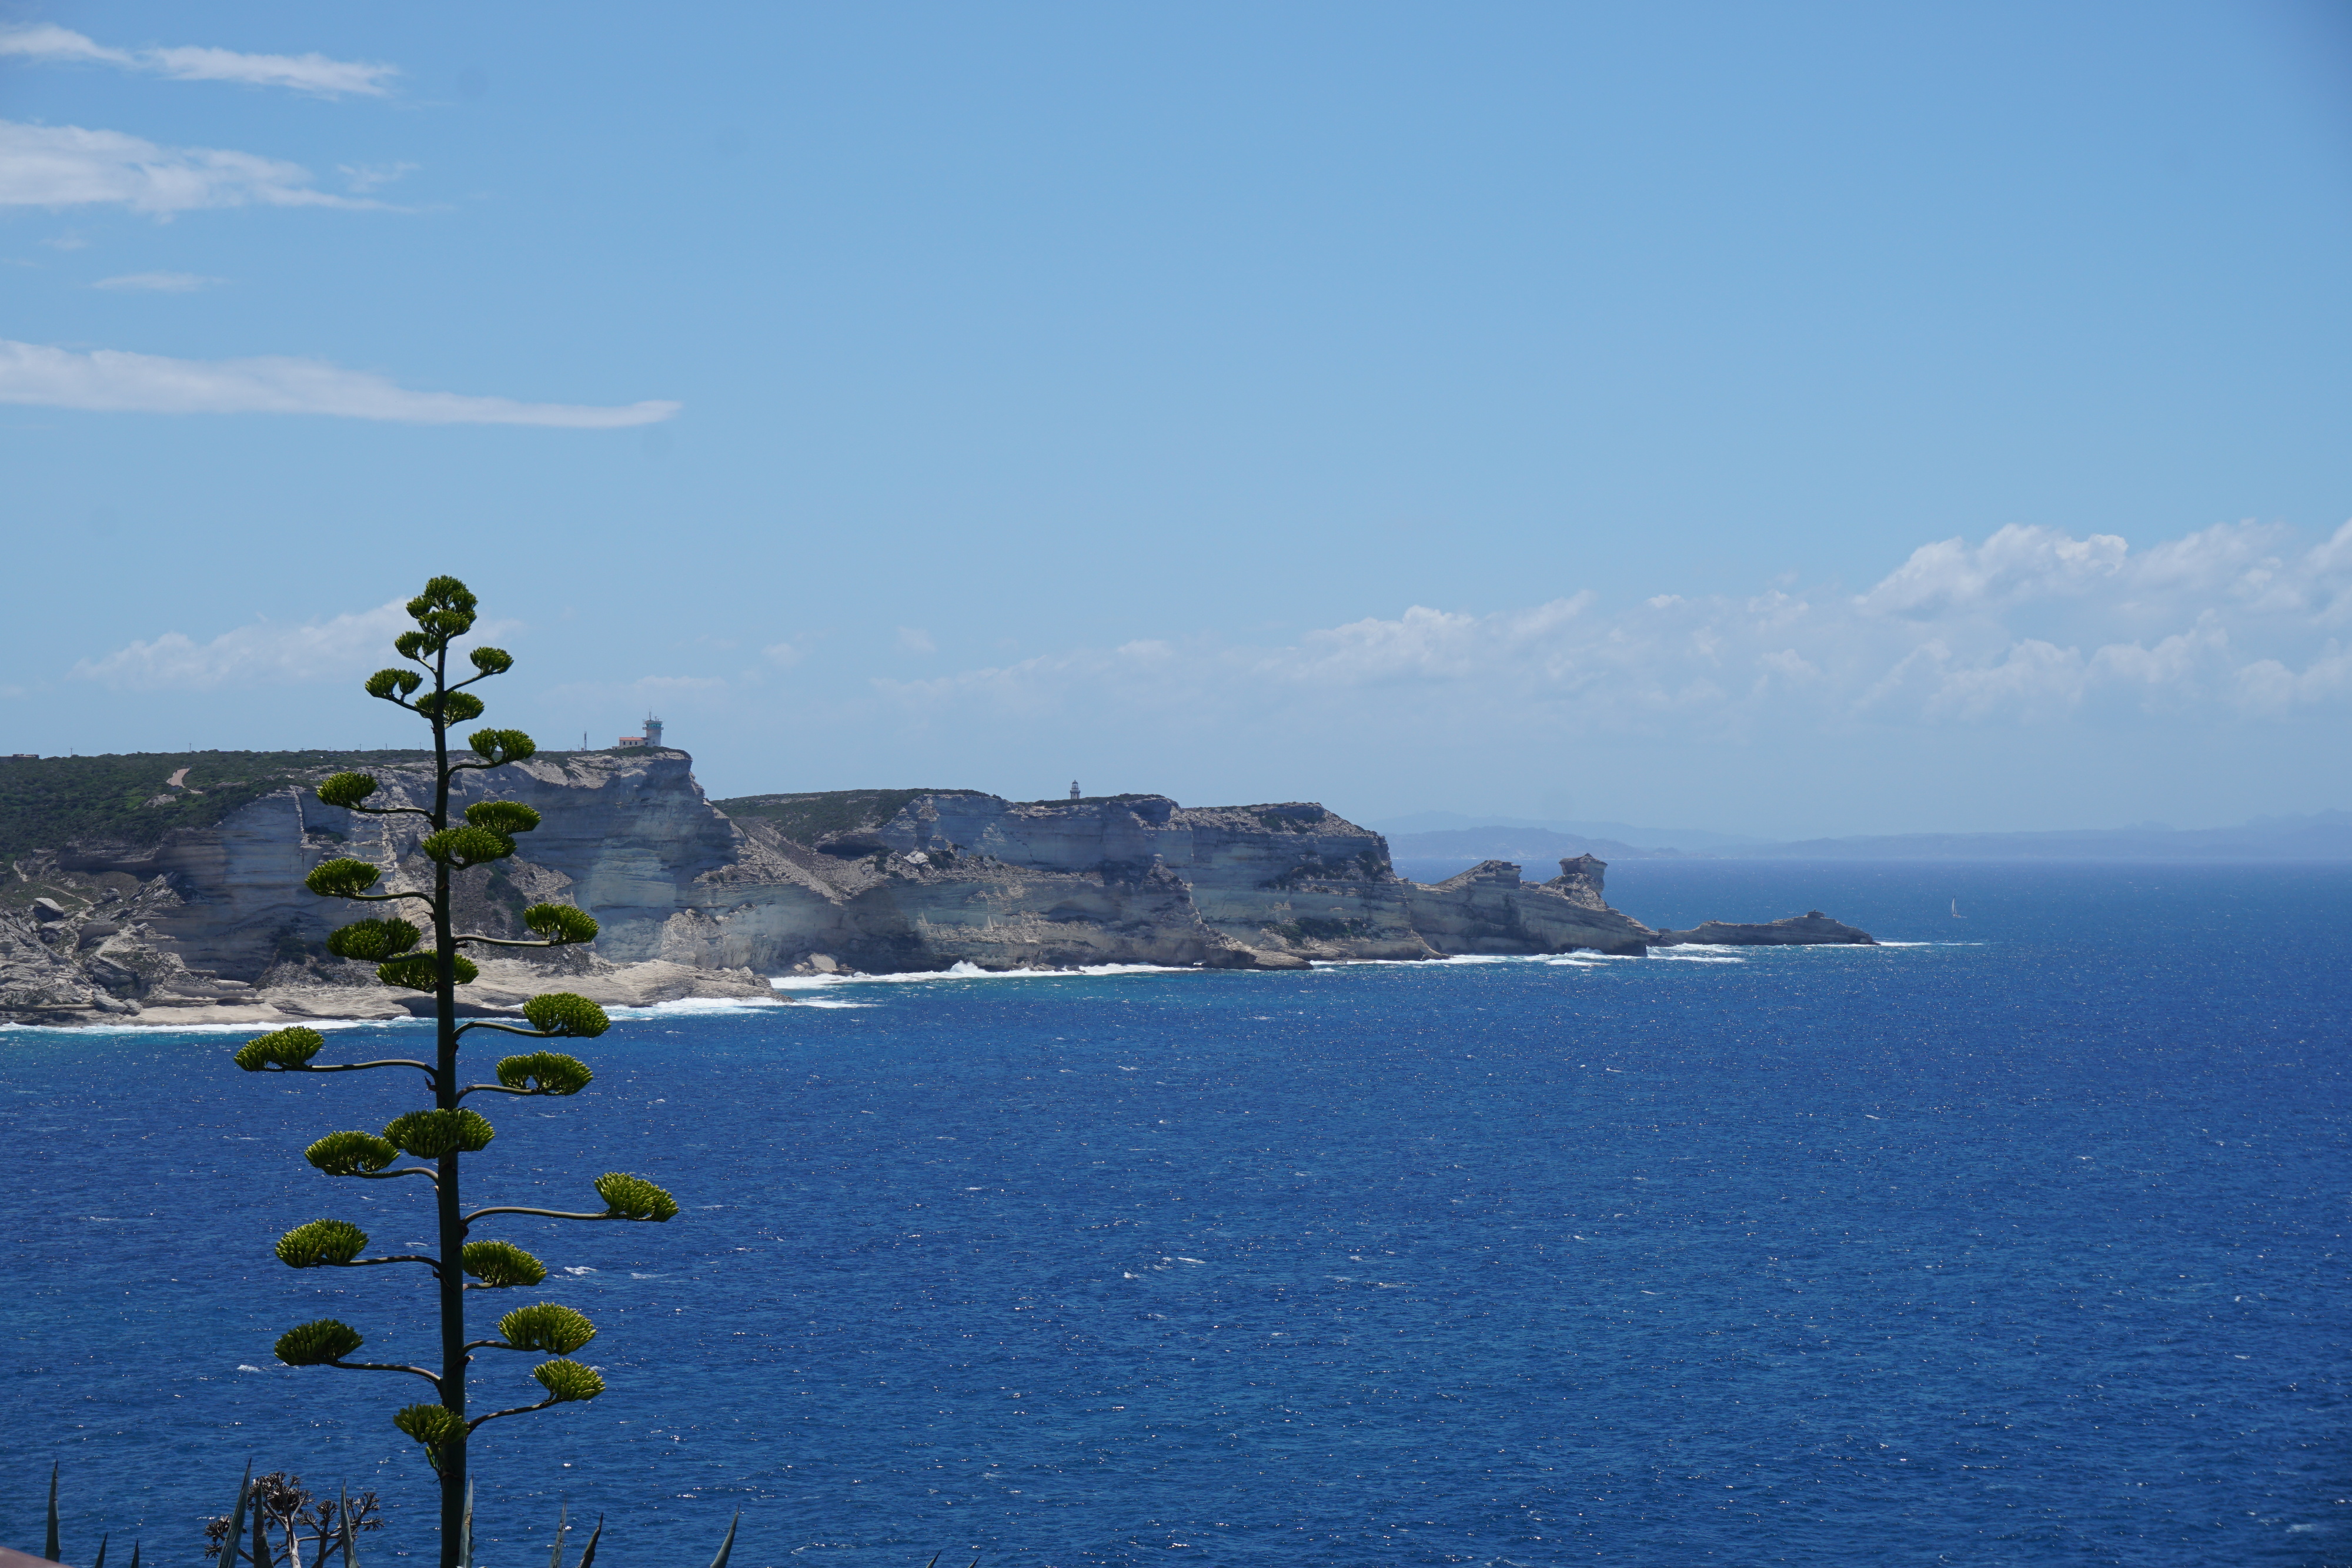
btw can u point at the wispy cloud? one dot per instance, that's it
(266, 652)
(313, 73)
(365, 177)
(66, 166)
(157, 282)
(111, 381)
(2029, 627)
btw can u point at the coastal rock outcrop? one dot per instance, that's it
(210, 923)
(1811, 929)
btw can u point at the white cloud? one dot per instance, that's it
(2033, 627)
(915, 640)
(365, 177)
(111, 381)
(158, 282)
(2015, 564)
(67, 166)
(313, 73)
(266, 652)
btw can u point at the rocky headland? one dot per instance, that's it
(186, 905)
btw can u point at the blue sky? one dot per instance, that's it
(1788, 420)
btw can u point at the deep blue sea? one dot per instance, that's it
(2022, 1243)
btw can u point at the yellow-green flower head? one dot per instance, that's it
(429, 1134)
(322, 1241)
(566, 1381)
(560, 922)
(419, 972)
(500, 1264)
(391, 685)
(372, 941)
(633, 1197)
(344, 878)
(460, 848)
(317, 1344)
(351, 1154)
(450, 708)
(544, 1073)
(546, 1326)
(561, 1014)
(500, 746)
(350, 788)
(505, 817)
(432, 1426)
(290, 1049)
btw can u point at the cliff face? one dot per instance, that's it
(875, 880)
(624, 834)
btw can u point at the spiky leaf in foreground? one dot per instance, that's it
(545, 1072)
(561, 1013)
(633, 1197)
(350, 1153)
(568, 1380)
(289, 1048)
(546, 1326)
(429, 1134)
(322, 1241)
(317, 1344)
(500, 1264)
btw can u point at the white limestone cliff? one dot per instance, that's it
(696, 901)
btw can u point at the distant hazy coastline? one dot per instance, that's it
(1433, 845)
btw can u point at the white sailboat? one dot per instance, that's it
(1955, 911)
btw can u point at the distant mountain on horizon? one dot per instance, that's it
(1419, 824)
(1434, 839)
(2321, 836)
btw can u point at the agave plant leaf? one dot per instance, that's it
(728, 1545)
(562, 1524)
(465, 1529)
(52, 1550)
(588, 1553)
(349, 1541)
(100, 1561)
(237, 1517)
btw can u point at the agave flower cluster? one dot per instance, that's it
(429, 957)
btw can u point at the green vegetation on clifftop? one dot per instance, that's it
(806, 818)
(47, 802)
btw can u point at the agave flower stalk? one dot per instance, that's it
(430, 956)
